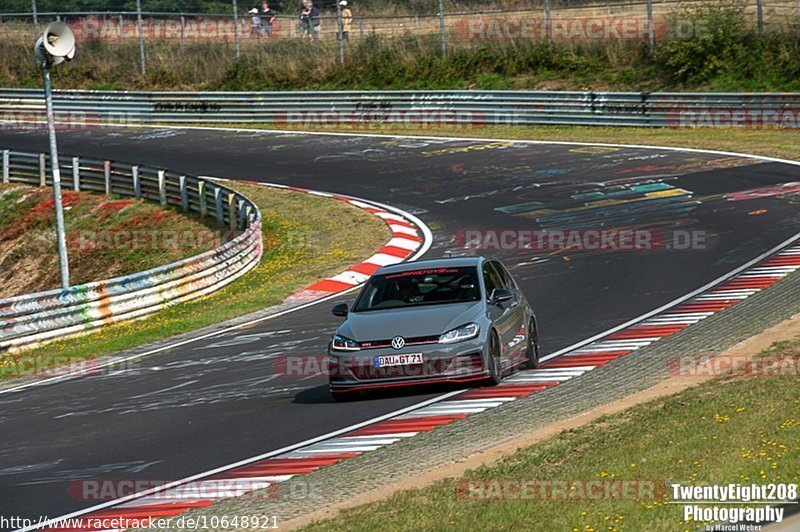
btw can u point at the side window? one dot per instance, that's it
(489, 279)
(508, 282)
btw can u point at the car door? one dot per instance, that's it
(500, 313)
(519, 345)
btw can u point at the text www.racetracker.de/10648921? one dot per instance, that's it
(182, 523)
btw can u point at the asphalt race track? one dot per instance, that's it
(220, 400)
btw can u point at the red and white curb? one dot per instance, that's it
(410, 239)
(258, 474)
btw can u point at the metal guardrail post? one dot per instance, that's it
(548, 21)
(35, 20)
(6, 165)
(340, 31)
(201, 191)
(141, 36)
(137, 182)
(760, 14)
(232, 211)
(42, 174)
(162, 188)
(218, 212)
(241, 213)
(76, 174)
(183, 29)
(107, 176)
(184, 193)
(236, 28)
(442, 28)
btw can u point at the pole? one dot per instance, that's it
(35, 20)
(341, 32)
(650, 36)
(548, 21)
(760, 8)
(141, 36)
(61, 240)
(442, 29)
(236, 28)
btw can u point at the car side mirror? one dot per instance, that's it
(340, 310)
(499, 295)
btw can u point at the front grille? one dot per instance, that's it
(419, 340)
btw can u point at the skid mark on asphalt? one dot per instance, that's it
(235, 339)
(132, 467)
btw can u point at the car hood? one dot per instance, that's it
(409, 322)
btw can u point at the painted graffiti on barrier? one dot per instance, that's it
(187, 107)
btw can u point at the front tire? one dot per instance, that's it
(533, 346)
(495, 363)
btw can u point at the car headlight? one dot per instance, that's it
(465, 332)
(342, 343)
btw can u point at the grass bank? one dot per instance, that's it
(735, 429)
(100, 242)
(726, 54)
(305, 238)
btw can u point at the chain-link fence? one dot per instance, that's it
(452, 25)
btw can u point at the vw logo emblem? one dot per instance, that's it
(398, 342)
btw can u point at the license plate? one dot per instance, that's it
(397, 360)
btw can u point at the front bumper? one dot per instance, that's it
(459, 362)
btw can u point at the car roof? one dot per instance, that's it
(432, 263)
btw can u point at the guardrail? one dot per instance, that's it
(87, 109)
(41, 317)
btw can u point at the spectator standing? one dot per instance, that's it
(313, 18)
(305, 21)
(255, 24)
(267, 19)
(347, 20)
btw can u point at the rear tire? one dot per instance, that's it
(495, 363)
(533, 346)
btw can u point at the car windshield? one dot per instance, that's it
(415, 288)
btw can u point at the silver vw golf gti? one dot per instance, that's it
(444, 320)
